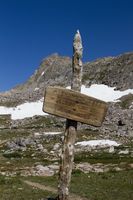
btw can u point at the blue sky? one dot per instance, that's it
(33, 29)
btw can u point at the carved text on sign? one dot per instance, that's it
(74, 105)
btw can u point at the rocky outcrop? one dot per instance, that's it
(118, 121)
(57, 70)
(53, 70)
(112, 71)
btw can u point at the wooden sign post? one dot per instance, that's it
(73, 106)
(71, 126)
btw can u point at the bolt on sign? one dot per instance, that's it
(73, 105)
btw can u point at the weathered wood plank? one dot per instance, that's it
(74, 105)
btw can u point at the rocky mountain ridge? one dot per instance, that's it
(56, 70)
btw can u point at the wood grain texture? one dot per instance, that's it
(74, 105)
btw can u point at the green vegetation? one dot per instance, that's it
(126, 101)
(102, 157)
(10, 134)
(13, 155)
(46, 122)
(103, 74)
(10, 103)
(42, 122)
(13, 188)
(86, 77)
(88, 134)
(5, 121)
(14, 160)
(103, 186)
(47, 181)
(93, 186)
(96, 186)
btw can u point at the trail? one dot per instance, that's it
(51, 189)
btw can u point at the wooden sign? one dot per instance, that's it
(74, 105)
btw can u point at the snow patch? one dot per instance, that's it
(30, 109)
(104, 92)
(52, 133)
(22, 111)
(95, 143)
(42, 73)
(36, 89)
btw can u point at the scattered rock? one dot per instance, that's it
(125, 152)
(56, 147)
(40, 147)
(111, 149)
(98, 167)
(44, 171)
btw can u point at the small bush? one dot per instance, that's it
(13, 155)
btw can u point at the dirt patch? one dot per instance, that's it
(51, 189)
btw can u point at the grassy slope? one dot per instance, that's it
(93, 186)
(13, 188)
(100, 186)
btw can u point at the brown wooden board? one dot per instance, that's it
(74, 105)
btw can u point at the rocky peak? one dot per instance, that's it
(112, 71)
(56, 70)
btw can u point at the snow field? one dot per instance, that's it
(30, 109)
